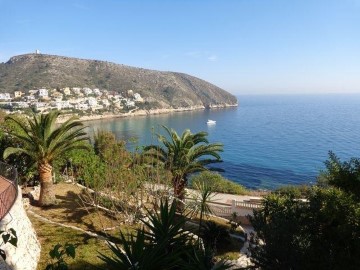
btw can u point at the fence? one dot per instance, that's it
(241, 208)
(8, 188)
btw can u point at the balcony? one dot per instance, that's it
(8, 188)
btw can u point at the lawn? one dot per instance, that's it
(86, 251)
(71, 210)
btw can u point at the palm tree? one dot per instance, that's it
(183, 155)
(43, 141)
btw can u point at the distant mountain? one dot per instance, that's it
(159, 89)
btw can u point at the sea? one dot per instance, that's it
(269, 140)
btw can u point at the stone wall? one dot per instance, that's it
(27, 253)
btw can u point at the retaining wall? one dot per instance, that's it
(27, 253)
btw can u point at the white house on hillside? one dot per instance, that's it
(82, 106)
(44, 93)
(138, 97)
(5, 96)
(76, 90)
(87, 91)
(18, 94)
(97, 91)
(66, 91)
(105, 102)
(92, 101)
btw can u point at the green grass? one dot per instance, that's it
(70, 211)
(87, 249)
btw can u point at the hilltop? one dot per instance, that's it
(160, 89)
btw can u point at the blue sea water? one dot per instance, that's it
(268, 140)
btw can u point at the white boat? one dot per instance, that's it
(211, 122)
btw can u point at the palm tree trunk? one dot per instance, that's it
(179, 192)
(47, 196)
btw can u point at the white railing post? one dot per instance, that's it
(233, 204)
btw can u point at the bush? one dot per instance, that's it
(297, 191)
(218, 183)
(215, 235)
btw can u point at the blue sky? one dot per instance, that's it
(243, 46)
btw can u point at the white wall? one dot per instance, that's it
(27, 253)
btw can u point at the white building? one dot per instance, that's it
(130, 93)
(66, 91)
(130, 104)
(5, 96)
(97, 91)
(118, 104)
(18, 94)
(105, 102)
(58, 96)
(82, 106)
(117, 97)
(62, 104)
(87, 91)
(44, 93)
(92, 101)
(76, 90)
(20, 105)
(138, 97)
(39, 106)
(30, 98)
(33, 92)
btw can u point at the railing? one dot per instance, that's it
(250, 205)
(221, 211)
(241, 208)
(8, 188)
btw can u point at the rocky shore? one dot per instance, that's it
(133, 113)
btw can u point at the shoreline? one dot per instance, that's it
(135, 113)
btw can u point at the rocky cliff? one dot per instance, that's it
(160, 89)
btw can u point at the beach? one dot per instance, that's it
(136, 112)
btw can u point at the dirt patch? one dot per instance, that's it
(72, 209)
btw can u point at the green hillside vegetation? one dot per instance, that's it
(218, 183)
(160, 89)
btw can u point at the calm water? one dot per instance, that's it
(268, 140)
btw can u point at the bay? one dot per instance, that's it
(269, 141)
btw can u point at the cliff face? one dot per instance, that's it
(160, 89)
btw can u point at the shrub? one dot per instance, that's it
(215, 235)
(218, 183)
(297, 191)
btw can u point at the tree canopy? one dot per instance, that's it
(183, 155)
(319, 231)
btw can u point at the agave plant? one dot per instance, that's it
(161, 244)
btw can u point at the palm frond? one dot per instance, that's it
(42, 139)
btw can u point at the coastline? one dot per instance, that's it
(135, 112)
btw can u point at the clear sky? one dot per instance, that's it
(243, 46)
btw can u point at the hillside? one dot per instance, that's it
(160, 89)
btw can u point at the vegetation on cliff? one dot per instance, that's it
(160, 89)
